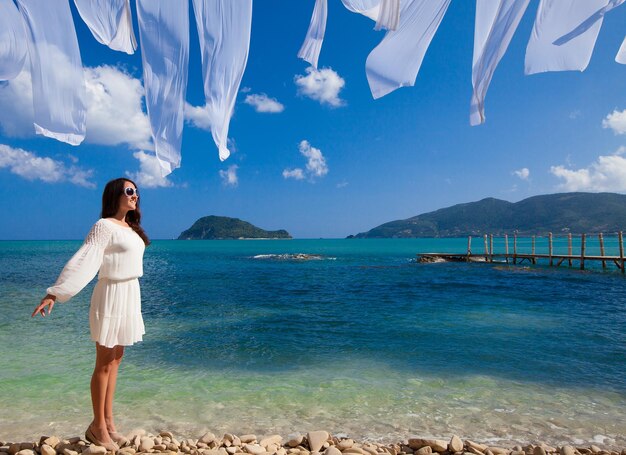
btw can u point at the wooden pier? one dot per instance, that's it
(550, 256)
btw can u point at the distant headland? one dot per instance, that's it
(224, 228)
(574, 213)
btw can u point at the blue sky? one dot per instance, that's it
(407, 153)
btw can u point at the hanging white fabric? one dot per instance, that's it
(312, 46)
(395, 62)
(56, 70)
(224, 31)
(386, 13)
(110, 22)
(164, 40)
(621, 54)
(564, 35)
(496, 22)
(13, 48)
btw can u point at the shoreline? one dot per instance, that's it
(318, 442)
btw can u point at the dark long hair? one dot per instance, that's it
(111, 204)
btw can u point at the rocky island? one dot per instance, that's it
(225, 228)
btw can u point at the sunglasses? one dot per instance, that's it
(130, 192)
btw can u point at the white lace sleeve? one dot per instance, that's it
(84, 265)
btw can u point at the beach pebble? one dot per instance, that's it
(455, 444)
(27, 446)
(94, 450)
(166, 434)
(567, 450)
(474, 445)
(345, 444)
(332, 451)
(595, 449)
(207, 438)
(160, 447)
(45, 449)
(539, 451)
(26, 452)
(354, 449)
(317, 439)
(295, 440)
(437, 445)
(14, 448)
(426, 450)
(500, 451)
(254, 449)
(231, 450)
(146, 443)
(66, 451)
(247, 438)
(274, 439)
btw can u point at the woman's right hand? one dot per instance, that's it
(47, 301)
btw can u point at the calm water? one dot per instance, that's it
(360, 340)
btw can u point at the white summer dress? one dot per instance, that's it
(116, 252)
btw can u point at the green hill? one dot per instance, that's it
(558, 213)
(224, 228)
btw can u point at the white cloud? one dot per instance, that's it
(575, 114)
(297, 174)
(149, 174)
(616, 121)
(315, 165)
(229, 176)
(114, 108)
(198, 116)
(263, 103)
(321, 85)
(32, 167)
(342, 184)
(607, 173)
(523, 173)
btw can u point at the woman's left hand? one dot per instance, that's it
(47, 301)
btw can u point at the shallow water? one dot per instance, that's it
(358, 338)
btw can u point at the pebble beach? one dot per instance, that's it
(311, 443)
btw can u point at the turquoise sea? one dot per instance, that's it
(357, 339)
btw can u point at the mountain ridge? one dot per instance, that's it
(575, 213)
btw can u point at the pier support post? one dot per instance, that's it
(601, 239)
(490, 247)
(621, 250)
(550, 248)
(486, 249)
(469, 247)
(506, 248)
(515, 248)
(583, 241)
(533, 259)
(569, 248)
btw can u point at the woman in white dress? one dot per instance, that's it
(114, 249)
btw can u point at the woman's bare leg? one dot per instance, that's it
(105, 358)
(110, 393)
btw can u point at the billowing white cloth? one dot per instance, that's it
(12, 41)
(56, 70)
(621, 54)
(312, 46)
(496, 22)
(110, 23)
(117, 253)
(386, 13)
(224, 31)
(164, 34)
(574, 25)
(395, 62)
